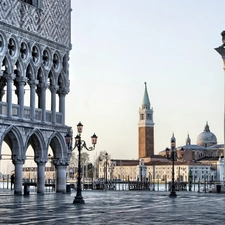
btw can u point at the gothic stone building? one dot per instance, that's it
(35, 41)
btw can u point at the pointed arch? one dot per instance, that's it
(37, 141)
(58, 145)
(61, 80)
(19, 69)
(41, 75)
(52, 78)
(7, 64)
(30, 72)
(14, 140)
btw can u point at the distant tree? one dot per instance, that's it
(73, 159)
(100, 157)
(84, 158)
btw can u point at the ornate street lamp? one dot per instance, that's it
(173, 155)
(79, 144)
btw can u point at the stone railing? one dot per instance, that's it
(27, 113)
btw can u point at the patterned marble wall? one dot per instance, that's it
(52, 21)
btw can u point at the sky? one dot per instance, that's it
(118, 45)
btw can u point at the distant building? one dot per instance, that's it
(155, 171)
(202, 159)
(205, 151)
(30, 173)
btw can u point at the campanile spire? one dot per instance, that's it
(146, 127)
(146, 103)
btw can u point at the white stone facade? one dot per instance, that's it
(156, 171)
(34, 52)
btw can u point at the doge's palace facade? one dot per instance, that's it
(35, 41)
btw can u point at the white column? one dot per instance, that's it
(32, 84)
(43, 103)
(18, 177)
(40, 177)
(221, 51)
(61, 178)
(53, 90)
(9, 96)
(20, 82)
(62, 96)
(41, 91)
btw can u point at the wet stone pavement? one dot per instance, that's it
(113, 207)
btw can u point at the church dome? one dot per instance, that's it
(206, 138)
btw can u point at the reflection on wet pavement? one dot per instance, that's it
(113, 207)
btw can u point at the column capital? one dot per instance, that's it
(39, 160)
(43, 85)
(18, 159)
(20, 80)
(61, 162)
(9, 76)
(53, 88)
(63, 91)
(33, 82)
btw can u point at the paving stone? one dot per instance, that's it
(113, 207)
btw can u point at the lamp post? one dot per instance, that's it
(106, 157)
(199, 184)
(80, 144)
(172, 156)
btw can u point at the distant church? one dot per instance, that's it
(205, 149)
(204, 159)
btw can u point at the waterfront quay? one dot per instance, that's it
(113, 207)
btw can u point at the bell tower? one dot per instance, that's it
(145, 128)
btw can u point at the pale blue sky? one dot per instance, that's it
(118, 45)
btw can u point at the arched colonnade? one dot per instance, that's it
(19, 139)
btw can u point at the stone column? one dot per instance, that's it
(18, 162)
(221, 51)
(62, 94)
(20, 82)
(9, 79)
(60, 175)
(53, 89)
(33, 84)
(41, 175)
(41, 91)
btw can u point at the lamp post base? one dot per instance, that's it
(78, 200)
(173, 194)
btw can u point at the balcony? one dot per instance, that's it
(27, 113)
